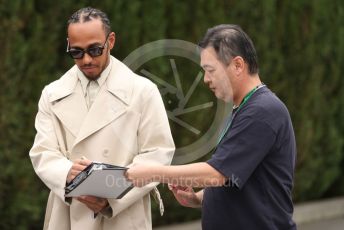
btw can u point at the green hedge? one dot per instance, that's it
(300, 46)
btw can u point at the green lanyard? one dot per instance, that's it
(243, 102)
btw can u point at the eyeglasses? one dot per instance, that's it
(77, 53)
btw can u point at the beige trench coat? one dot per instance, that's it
(127, 123)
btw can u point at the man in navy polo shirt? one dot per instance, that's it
(248, 180)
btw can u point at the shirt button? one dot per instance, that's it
(106, 153)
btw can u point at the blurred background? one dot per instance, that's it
(300, 47)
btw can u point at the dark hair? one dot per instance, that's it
(88, 14)
(230, 41)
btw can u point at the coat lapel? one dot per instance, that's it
(110, 103)
(68, 102)
(105, 109)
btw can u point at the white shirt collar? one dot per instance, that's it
(101, 80)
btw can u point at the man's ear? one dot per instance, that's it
(112, 40)
(238, 65)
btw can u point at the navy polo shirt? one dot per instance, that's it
(258, 155)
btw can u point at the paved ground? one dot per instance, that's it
(331, 224)
(195, 225)
(317, 215)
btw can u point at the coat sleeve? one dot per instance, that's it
(155, 144)
(48, 161)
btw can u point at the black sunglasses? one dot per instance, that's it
(77, 53)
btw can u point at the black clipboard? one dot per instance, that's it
(100, 180)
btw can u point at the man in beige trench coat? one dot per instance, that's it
(120, 121)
